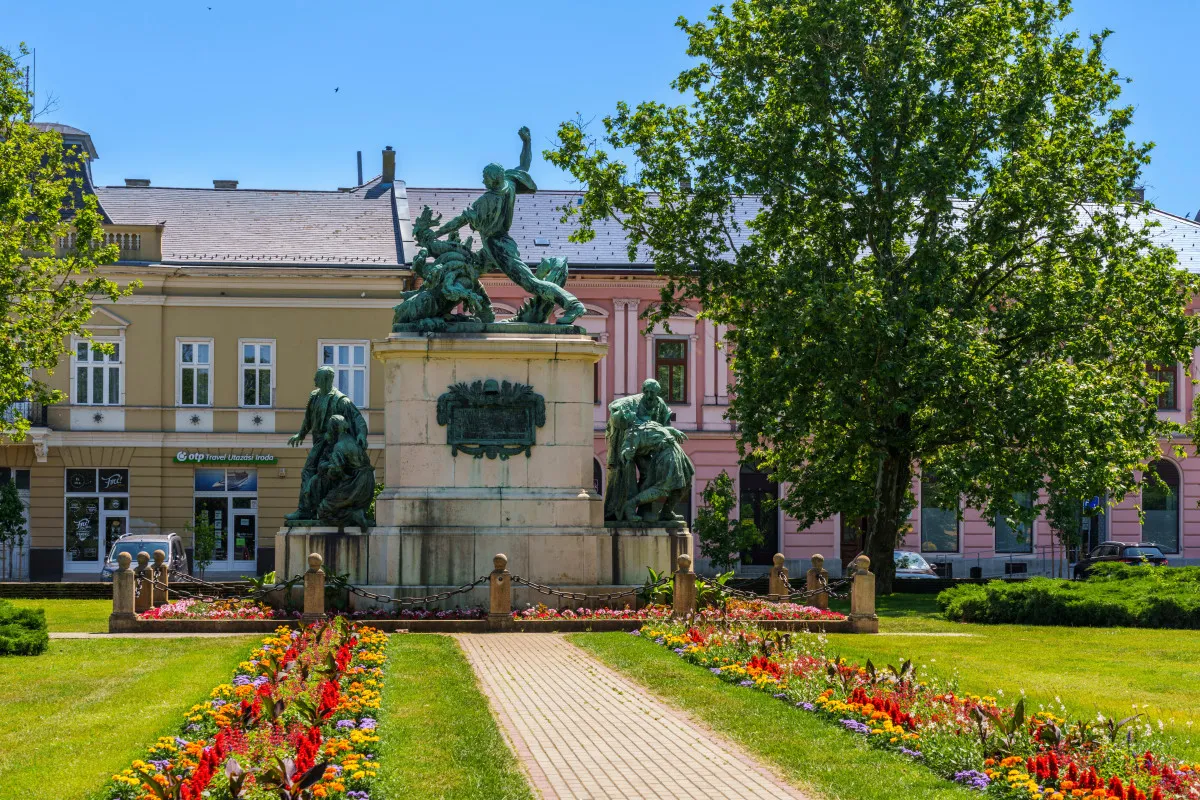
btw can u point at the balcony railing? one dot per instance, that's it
(33, 411)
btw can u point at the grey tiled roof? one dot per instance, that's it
(258, 226)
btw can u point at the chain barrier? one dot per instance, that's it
(412, 601)
(792, 595)
(547, 590)
(203, 598)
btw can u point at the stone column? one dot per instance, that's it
(314, 591)
(862, 599)
(123, 614)
(145, 584)
(500, 590)
(817, 580)
(162, 576)
(777, 587)
(684, 596)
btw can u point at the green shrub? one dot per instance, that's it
(22, 630)
(1116, 595)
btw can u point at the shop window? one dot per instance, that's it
(258, 373)
(939, 526)
(1160, 505)
(97, 514)
(670, 368)
(1168, 399)
(97, 374)
(195, 372)
(1015, 538)
(228, 499)
(349, 362)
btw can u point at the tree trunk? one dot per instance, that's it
(883, 526)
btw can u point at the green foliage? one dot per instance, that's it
(708, 592)
(723, 541)
(23, 631)
(204, 542)
(943, 265)
(45, 297)
(1117, 595)
(12, 525)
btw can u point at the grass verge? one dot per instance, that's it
(438, 738)
(811, 753)
(82, 616)
(84, 709)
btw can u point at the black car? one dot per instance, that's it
(1120, 551)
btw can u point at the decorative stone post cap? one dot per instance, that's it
(778, 559)
(684, 562)
(863, 563)
(315, 561)
(500, 562)
(143, 558)
(123, 561)
(159, 557)
(818, 560)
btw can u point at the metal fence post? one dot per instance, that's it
(499, 590)
(778, 582)
(122, 611)
(162, 576)
(145, 584)
(314, 590)
(862, 598)
(683, 598)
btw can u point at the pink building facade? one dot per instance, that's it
(690, 362)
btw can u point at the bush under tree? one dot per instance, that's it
(723, 540)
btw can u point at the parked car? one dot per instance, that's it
(133, 543)
(1123, 552)
(913, 565)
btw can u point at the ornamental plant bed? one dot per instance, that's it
(1002, 750)
(1114, 595)
(239, 609)
(296, 721)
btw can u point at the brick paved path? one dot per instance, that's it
(583, 731)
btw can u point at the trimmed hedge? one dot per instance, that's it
(22, 630)
(1114, 595)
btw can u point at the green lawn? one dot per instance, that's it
(1093, 670)
(810, 752)
(438, 736)
(82, 616)
(86, 708)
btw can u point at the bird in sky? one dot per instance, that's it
(335, 89)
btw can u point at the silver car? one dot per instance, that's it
(913, 565)
(133, 543)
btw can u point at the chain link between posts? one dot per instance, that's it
(411, 601)
(548, 590)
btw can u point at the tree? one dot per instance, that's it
(204, 542)
(12, 526)
(918, 219)
(45, 294)
(722, 541)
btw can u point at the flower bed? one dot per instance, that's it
(297, 717)
(734, 610)
(229, 609)
(998, 749)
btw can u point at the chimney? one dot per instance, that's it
(217, 184)
(359, 169)
(137, 182)
(1139, 194)
(389, 165)
(685, 183)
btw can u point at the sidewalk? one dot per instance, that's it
(586, 733)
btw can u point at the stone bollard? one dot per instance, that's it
(162, 576)
(500, 590)
(145, 583)
(862, 598)
(123, 614)
(777, 588)
(684, 595)
(314, 590)
(817, 580)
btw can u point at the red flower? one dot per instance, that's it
(330, 697)
(342, 657)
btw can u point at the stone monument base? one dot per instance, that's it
(415, 562)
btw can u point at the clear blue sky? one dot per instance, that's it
(182, 94)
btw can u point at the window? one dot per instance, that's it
(1160, 505)
(195, 372)
(97, 514)
(670, 368)
(349, 362)
(1019, 538)
(939, 526)
(228, 499)
(596, 383)
(97, 374)
(258, 373)
(1168, 400)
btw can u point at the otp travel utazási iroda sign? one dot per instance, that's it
(184, 457)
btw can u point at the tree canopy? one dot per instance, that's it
(918, 218)
(45, 294)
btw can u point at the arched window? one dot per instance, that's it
(1160, 504)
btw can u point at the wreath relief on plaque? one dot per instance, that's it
(492, 418)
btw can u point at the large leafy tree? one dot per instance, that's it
(45, 295)
(917, 217)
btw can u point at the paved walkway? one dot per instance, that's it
(585, 732)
